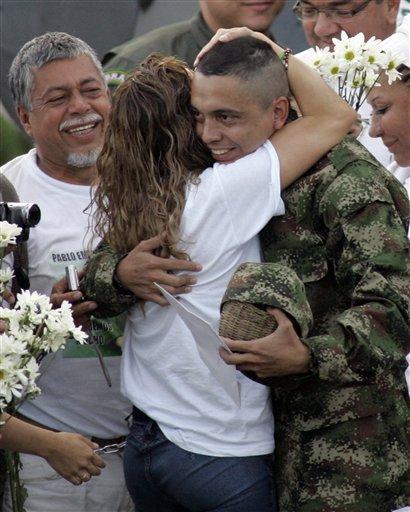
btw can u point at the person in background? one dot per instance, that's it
(185, 39)
(63, 104)
(390, 105)
(323, 20)
(62, 101)
(391, 115)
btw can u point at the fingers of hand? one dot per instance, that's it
(173, 265)
(9, 297)
(75, 480)
(222, 34)
(84, 308)
(60, 286)
(280, 317)
(237, 358)
(241, 345)
(149, 245)
(85, 476)
(57, 298)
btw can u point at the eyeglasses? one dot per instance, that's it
(308, 12)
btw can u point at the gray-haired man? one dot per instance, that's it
(62, 102)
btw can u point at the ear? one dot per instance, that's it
(280, 112)
(24, 116)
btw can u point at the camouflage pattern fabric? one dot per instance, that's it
(97, 283)
(271, 284)
(342, 432)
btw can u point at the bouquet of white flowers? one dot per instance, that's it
(29, 331)
(32, 329)
(355, 65)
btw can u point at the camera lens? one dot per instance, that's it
(31, 215)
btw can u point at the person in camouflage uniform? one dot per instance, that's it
(341, 428)
(342, 412)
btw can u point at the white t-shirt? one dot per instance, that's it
(162, 373)
(75, 395)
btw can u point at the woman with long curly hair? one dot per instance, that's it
(191, 447)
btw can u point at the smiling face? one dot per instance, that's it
(377, 18)
(69, 112)
(228, 118)
(254, 14)
(391, 118)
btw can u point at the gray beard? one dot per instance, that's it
(82, 160)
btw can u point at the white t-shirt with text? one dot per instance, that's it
(75, 395)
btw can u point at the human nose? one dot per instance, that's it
(324, 26)
(78, 104)
(209, 132)
(375, 129)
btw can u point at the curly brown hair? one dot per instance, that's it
(150, 154)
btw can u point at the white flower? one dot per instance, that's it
(33, 329)
(354, 66)
(10, 345)
(321, 57)
(348, 50)
(8, 233)
(6, 275)
(373, 56)
(393, 61)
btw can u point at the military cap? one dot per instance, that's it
(270, 284)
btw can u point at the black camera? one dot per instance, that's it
(25, 215)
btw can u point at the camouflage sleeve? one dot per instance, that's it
(366, 222)
(97, 284)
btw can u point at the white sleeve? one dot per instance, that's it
(251, 188)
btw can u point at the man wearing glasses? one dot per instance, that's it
(323, 20)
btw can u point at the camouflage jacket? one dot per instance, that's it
(342, 440)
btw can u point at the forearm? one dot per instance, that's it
(364, 344)
(372, 269)
(325, 120)
(19, 436)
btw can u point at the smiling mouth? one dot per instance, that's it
(219, 152)
(82, 130)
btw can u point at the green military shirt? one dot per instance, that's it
(183, 40)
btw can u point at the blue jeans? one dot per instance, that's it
(161, 477)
